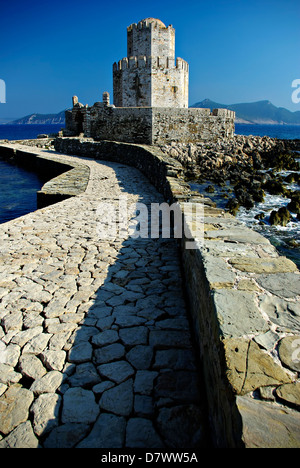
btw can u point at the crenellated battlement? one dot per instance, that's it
(226, 113)
(132, 62)
(148, 23)
(182, 64)
(143, 61)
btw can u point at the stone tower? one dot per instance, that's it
(150, 97)
(149, 75)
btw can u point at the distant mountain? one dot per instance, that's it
(41, 119)
(260, 112)
(6, 120)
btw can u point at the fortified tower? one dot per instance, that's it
(150, 97)
(149, 76)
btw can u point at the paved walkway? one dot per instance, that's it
(95, 342)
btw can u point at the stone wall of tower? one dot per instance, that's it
(132, 82)
(150, 39)
(170, 83)
(150, 82)
(149, 76)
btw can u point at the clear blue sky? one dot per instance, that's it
(238, 51)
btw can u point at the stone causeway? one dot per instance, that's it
(140, 343)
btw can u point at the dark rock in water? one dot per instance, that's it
(258, 193)
(257, 160)
(280, 217)
(294, 205)
(264, 177)
(260, 216)
(244, 197)
(293, 243)
(275, 187)
(210, 189)
(274, 218)
(293, 177)
(260, 196)
(286, 161)
(249, 190)
(233, 206)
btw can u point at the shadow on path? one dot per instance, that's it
(122, 366)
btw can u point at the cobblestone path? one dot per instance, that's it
(95, 342)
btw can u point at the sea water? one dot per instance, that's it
(283, 132)
(18, 186)
(27, 132)
(281, 237)
(18, 191)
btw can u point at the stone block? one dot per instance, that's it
(108, 431)
(79, 406)
(14, 408)
(267, 425)
(250, 368)
(281, 284)
(118, 400)
(263, 265)
(238, 313)
(140, 432)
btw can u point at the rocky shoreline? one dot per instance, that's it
(250, 164)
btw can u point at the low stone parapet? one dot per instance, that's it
(65, 180)
(244, 300)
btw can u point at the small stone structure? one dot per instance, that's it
(150, 93)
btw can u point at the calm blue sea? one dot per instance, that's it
(283, 132)
(26, 132)
(21, 132)
(18, 188)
